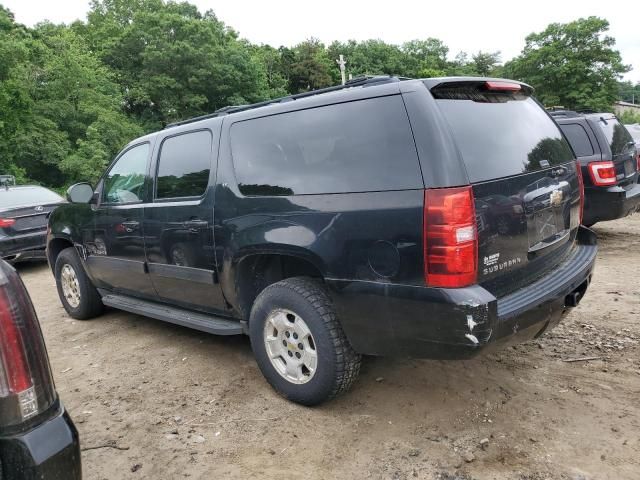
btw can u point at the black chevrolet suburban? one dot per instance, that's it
(426, 218)
(609, 160)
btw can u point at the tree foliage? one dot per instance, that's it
(573, 64)
(72, 96)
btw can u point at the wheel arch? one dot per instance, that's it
(54, 247)
(256, 271)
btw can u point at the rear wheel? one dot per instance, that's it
(299, 344)
(79, 297)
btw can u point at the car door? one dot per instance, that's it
(115, 249)
(179, 221)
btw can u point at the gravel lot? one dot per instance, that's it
(157, 401)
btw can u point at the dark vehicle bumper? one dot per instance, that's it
(49, 451)
(24, 247)
(610, 203)
(420, 322)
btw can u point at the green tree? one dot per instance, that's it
(628, 117)
(55, 92)
(310, 68)
(171, 61)
(424, 58)
(484, 64)
(628, 92)
(371, 57)
(572, 64)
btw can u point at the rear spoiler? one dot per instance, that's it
(478, 89)
(471, 81)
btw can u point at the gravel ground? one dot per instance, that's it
(157, 401)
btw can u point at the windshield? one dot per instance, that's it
(25, 196)
(505, 138)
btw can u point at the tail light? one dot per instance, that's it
(501, 86)
(638, 162)
(450, 237)
(581, 187)
(6, 222)
(602, 174)
(26, 386)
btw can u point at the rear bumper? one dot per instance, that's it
(414, 321)
(23, 247)
(602, 204)
(49, 451)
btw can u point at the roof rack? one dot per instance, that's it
(561, 112)
(360, 81)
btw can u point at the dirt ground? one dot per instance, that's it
(157, 401)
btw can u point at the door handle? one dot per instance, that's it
(130, 225)
(196, 224)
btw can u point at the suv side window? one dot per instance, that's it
(360, 146)
(578, 138)
(125, 181)
(184, 165)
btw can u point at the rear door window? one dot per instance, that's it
(502, 135)
(359, 146)
(184, 165)
(578, 138)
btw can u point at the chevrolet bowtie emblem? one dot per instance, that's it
(556, 198)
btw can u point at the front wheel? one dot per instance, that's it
(299, 344)
(79, 297)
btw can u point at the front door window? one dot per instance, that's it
(125, 182)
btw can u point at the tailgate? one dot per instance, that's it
(524, 179)
(526, 226)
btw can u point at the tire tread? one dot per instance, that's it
(347, 361)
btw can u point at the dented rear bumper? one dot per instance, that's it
(405, 320)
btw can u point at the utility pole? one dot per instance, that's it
(342, 64)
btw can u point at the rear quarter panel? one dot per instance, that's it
(373, 236)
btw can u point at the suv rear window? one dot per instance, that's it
(616, 135)
(503, 134)
(360, 146)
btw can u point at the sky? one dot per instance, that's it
(462, 25)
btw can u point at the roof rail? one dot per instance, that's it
(563, 113)
(361, 81)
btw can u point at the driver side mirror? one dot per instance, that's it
(80, 193)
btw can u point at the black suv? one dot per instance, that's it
(426, 218)
(610, 163)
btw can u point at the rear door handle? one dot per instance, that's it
(130, 225)
(196, 224)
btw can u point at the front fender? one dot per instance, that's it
(65, 226)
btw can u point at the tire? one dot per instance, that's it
(336, 364)
(88, 303)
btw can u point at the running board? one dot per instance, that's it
(186, 318)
